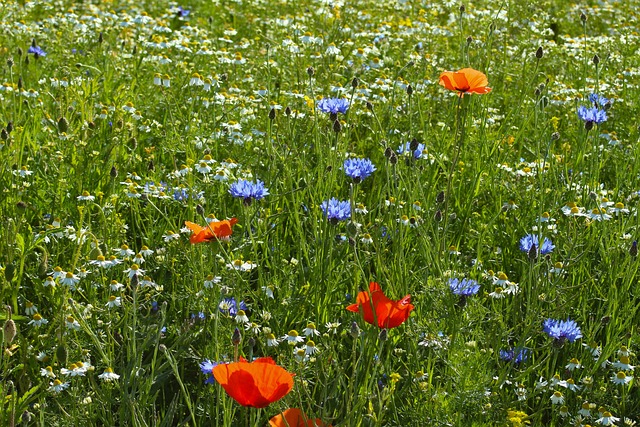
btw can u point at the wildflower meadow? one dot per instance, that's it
(319, 213)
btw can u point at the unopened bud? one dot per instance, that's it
(440, 197)
(388, 152)
(199, 209)
(355, 330)
(100, 37)
(533, 252)
(369, 106)
(311, 71)
(272, 114)
(393, 159)
(63, 124)
(539, 52)
(633, 251)
(583, 17)
(287, 111)
(337, 126)
(354, 82)
(409, 90)
(383, 335)
(236, 338)
(462, 8)
(596, 59)
(438, 216)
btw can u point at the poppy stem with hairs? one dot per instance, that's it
(461, 116)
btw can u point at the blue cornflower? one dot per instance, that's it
(207, 368)
(464, 287)
(248, 190)
(599, 101)
(333, 105)
(182, 12)
(406, 148)
(335, 210)
(230, 307)
(562, 330)
(199, 316)
(531, 240)
(592, 115)
(358, 169)
(180, 194)
(516, 354)
(37, 51)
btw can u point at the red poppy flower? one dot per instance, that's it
(213, 230)
(375, 306)
(464, 81)
(256, 384)
(294, 417)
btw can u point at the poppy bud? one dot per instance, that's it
(61, 354)
(20, 52)
(10, 62)
(533, 252)
(393, 159)
(388, 152)
(369, 106)
(272, 114)
(438, 216)
(355, 330)
(236, 338)
(409, 90)
(588, 125)
(462, 8)
(440, 197)
(583, 17)
(596, 59)
(633, 251)
(537, 92)
(354, 82)
(9, 127)
(469, 40)
(311, 71)
(63, 124)
(287, 111)
(539, 52)
(337, 127)
(114, 172)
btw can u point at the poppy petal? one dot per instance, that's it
(461, 83)
(292, 417)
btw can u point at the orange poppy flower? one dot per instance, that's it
(213, 230)
(464, 81)
(294, 417)
(375, 306)
(256, 384)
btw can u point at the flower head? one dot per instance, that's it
(336, 210)
(212, 231)
(465, 81)
(406, 148)
(562, 330)
(207, 368)
(464, 287)
(592, 115)
(37, 51)
(377, 307)
(230, 307)
(294, 417)
(333, 105)
(256, 384)
(528, 242)
(358, 169)
(516, 355)
(248, 190)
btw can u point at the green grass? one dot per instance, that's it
(493, 165)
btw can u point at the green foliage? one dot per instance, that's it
(141, 115)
